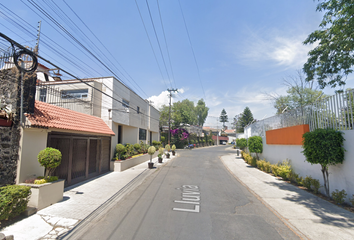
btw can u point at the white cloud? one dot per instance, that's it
(284, 51)
(163, 98)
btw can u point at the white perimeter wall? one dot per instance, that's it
(341, 176)
(32, 142)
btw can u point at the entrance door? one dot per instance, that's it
(119, 134)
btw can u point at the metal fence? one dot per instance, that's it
(334, 112)
(56, 96)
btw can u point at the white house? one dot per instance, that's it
(130, 117)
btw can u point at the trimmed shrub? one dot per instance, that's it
(255, 145)
(161, 151)
(324, 147)
(339, 196)
(50, 158)
(137, 147)
(241, 143)
(13, 200)
(120, 149)
(167, 147)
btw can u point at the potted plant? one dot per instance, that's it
(173, 149)
(48, 189)
(160, 155)
(6, 115)
(167, 147)
(151, 151)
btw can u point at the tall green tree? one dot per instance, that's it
(184, 112)
(223, 117)
(333, 58)
(245, 119)
(202, 112)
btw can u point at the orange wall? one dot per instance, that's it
(287, 136)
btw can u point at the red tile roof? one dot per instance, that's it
(220, 138)
(51, 116)
(230, 131)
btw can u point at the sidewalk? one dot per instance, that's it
(308, 215)
(80, 202)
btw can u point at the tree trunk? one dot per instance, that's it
(325, 179)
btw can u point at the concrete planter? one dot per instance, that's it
(44, 195)
(120, 166)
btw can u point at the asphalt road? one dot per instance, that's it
(192, 197)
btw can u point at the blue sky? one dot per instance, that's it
(242, 48)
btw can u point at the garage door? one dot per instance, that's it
(83, 156)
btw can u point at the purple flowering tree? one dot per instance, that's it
(180, 136)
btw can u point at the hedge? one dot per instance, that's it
(13, 200)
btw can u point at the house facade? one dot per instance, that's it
(130, 117)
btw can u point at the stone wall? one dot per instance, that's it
(10, 136)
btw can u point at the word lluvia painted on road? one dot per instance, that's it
(191, 199)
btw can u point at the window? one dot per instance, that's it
(125, 103)
(142, 134)
(43, 94)
(77, 93)
(138, 110)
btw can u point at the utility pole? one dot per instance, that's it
(169, 114)
(36, 48)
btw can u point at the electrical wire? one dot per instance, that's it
(195, 59)
(81, 80)
(168, 52)
(147, 34)
(158, 42)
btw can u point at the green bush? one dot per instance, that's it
(284, 169)
(293, 177)
(255, 145)
(241, 143)
(274, 168)
(260, 164)
(167, 147)
(307, 182)
(41, 179)
(120, 149)
(162, 139)
(137, 147)
(13, 200)
(315, 185)
(50, 158)
(267, 167)
(151, 150)
(351, 200)
(324, 147)
(339, 196)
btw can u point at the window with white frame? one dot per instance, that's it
(75, 93)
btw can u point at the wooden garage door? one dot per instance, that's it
(82, 156)
(106, 146)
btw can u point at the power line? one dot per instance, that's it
(164, 35)
(105, 48)
(158, 41)
(54, 65)
(147, 34)
(195, 59)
